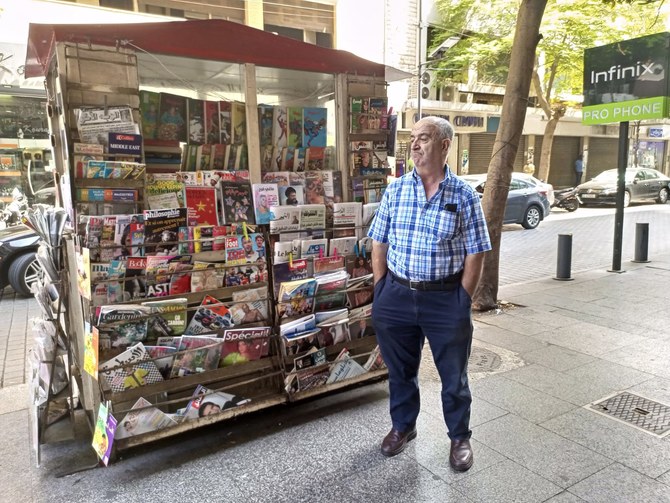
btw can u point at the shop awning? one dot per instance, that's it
(215, 40)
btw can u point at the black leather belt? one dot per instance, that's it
(448, 283)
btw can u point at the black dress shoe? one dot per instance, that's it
(396, 441)
(460, 457)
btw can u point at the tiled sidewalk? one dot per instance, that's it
(15, 336)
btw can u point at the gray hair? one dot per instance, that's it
(444, 128)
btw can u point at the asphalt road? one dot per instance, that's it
(531, 254)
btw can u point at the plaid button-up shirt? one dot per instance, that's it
(428, 240)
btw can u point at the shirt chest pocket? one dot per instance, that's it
(446, 226)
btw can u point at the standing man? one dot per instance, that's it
(429, 235)
(579, 170)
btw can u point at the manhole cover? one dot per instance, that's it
(483, 360)
(652, 417)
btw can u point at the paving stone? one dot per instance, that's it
(618, 441)
(651, 356)
(620, 483)
(557, 357)
(519, 399)
(495, 484)
(656, 389)
(565, 497)
(607, 374)
(551, 456)
(507, 339)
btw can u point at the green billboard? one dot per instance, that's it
(627, 80)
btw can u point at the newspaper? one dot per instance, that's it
(95, 124)
(144, 420)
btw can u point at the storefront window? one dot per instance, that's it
(23, 118)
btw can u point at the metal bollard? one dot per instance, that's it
(564, 257)
(641, 243)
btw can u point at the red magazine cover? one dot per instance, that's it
(201, 203)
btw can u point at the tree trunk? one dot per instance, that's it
(515, 103)
(547, 145)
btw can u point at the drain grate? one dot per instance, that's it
(652, 417)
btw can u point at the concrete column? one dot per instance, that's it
(253, 13)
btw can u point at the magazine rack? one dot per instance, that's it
(98, 66)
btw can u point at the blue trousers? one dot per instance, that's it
(403, 318)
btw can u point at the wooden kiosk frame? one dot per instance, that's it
(100, 65)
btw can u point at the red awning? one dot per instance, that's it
(215, 40)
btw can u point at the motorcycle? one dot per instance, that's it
(13, 213)
(566, 199)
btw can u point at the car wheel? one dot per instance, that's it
(532, 217)
(662, 196)
(626, 199)
(24, 272)
(571, 205)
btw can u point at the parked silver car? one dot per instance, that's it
(642, 184)
(527, 202)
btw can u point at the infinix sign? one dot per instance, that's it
(627, 80)
(618, 72)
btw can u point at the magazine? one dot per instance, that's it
(206, 276)
(205, 402)
(196, 354)
(122, 325)
(237, 203)
(143, 418)
(169, 317)
(103, 436)
(265, 196)
(300, 343)
(164, 358)
(134, 369)
(375, 360)
(202, 208)
(296, 298)
(331, 333)
(247, 249)
(211, 316)
(249, 312)
(241, 345)
(290, 271)
(135, 284)
(161, 230)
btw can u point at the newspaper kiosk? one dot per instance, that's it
(106, 66)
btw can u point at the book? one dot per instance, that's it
(211, 316)
(149, 106)
(172, 122)
(201, 203)
(196, 121)
(218, 156)
(130, 369)
(265, 120)
(205, 402)
(143, 418)
(265, 195)
(225, 122)
(315, 158)
(280, 178)
(127, 145)
(237, 203)
(212, 129)
(299, 160)
(161, 230)
(314, 127)
(239, 118)
(280, 128)
(196, 354)
(295, 127)
(168, 317)
(203, 156)
(241, 345)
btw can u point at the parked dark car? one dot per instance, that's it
(527, 201)
(642, 184)
(18, 265)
